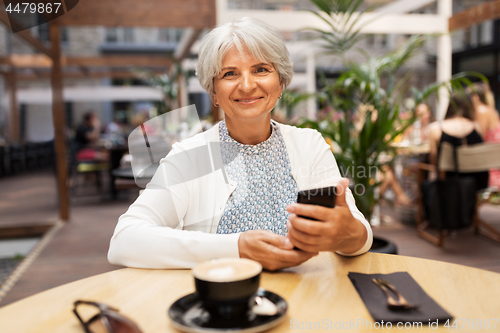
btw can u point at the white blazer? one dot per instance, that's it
(173, 223)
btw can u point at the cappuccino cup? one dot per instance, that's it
(227, 286)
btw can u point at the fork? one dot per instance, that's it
(401, 303)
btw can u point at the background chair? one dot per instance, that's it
(473, 158)
(83, 171)
(17, 158)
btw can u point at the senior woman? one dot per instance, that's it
(249, 209)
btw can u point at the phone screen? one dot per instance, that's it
(319, 196)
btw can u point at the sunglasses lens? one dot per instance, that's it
(99, 326)
(120, 324)
(100, 318)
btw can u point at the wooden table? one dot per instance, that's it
(315, 291)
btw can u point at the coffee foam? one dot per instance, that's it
(227, 270)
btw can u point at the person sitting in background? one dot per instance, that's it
(389, 180)
(87, 134)
(87, 131)
(488, 118)
(458, 128)
(418, 133)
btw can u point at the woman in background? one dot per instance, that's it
(486, 115)
(458, 128)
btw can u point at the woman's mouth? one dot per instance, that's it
(248, 101)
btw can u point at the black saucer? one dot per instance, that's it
(188, 314)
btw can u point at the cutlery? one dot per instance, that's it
(401, 303)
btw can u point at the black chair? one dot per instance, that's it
(6, 170)
(474, 158)
(17, 159)
(80, 170)
(31, 156)
(2, 165)
(45, 154)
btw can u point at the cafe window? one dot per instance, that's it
(170, 35)
(44, 33)
(120, 35)
(467, 37)
(486, 33)
(457, 40)
(484, 64)
(370, 40)
(383, 40)
(128, 35)
(23, 115)
(112, 35)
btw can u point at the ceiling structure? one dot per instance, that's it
(193, 15)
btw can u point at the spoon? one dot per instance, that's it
(264, 307)
(401, 303)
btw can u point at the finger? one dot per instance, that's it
(313, 211)
(314, 228)
(276, 240)
(341, 189)
(308, 248)
(293, 257)
(301, 236)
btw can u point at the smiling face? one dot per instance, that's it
(246, 89)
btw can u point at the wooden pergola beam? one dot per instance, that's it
(56, 83)
(132, 13)
(475, 15)
(81, 75)
(42, 61)
(187, 40)
(118, 61)
(25, 35)
(11, 79)
(27, 61)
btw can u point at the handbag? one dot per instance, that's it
(450, 203)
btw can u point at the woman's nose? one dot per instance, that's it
(247, 82)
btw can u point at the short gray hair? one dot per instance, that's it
(264, 42)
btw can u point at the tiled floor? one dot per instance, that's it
(28, 198)
(79, 248)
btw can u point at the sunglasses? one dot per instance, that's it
(101, 318)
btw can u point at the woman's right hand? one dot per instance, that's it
(272, 251)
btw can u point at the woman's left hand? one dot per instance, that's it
(335, 230)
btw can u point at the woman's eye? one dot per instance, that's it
(262, 70)
(228, 74)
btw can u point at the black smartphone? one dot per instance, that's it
(318, 196)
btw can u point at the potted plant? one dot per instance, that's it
(361, 116)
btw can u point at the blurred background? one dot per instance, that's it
(73, 89)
